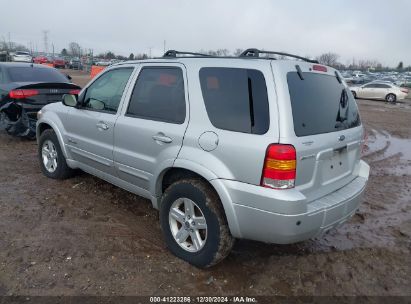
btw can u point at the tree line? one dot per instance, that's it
(331, 59)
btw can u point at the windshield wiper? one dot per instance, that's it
(299, 72)
(338, 77)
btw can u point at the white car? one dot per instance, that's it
(20, 56)
(103, 63)
(380, 90)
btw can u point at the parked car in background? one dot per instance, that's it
(40, 59)
(20, 56)
(381, 91)
(406, 84)
(244, 157)
(75, 64)
(24, 90)
(59, 63)
(4, 56)
(103, 63)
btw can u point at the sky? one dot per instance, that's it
(367, 29)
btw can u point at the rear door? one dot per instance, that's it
(325, 130)
(370, 91)
(150, 132)
(382, 90)
(90, 128)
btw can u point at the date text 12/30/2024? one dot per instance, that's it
(203, 299)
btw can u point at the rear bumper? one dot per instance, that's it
(22, 60)
(24, 125)
(303, 220)
(402, 96)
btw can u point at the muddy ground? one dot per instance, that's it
(83, 236)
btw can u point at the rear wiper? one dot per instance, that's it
(338, 77)
(299, 72)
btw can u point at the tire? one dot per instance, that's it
(198, 196)
(354, 94)
(58, 168)
(391, 98)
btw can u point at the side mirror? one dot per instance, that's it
(96, 104)
(68, 77)
(69, 100)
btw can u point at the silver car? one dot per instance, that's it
(380, 90)
(21, 56)
(244, 147)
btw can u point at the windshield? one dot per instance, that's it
(320, 104)
(32, 74)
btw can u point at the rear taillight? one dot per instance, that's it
(319, 68)
(24, 93)
(279, 167)
(74, 92)
(404, 90)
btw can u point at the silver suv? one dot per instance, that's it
(248, 147)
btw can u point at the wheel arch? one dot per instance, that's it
(45, 125)
(183, 169)
(391, 93)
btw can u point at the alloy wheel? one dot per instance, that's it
(49, 156)
(188, 225)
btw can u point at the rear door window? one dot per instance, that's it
(320, 104)
(236, 99)
(159, 95)
(384, 86)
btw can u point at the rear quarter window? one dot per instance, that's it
(320, 104)
(236, 99)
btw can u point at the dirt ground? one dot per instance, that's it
(83, 236)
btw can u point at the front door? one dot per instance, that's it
(150, 132)
(90, 128)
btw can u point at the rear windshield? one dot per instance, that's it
(29, 74)
(320, 104)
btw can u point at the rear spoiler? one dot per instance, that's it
(39, 85)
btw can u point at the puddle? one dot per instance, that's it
(381, 146)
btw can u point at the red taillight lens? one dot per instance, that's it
(404, 91)
(279, 167)
(20, 94)
(74, 92)
(320, 68)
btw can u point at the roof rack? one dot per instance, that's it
(174, 53)
(256, 54)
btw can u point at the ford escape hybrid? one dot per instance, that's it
(248, 147)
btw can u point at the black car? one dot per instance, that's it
(24, 89)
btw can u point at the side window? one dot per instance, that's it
(159, 95)
(1, 76)
(371, 86)
(105, 93)
(236, 99)
(385, 86)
